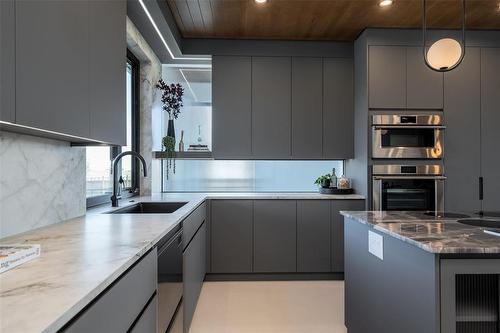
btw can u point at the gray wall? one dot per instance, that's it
(42, 182)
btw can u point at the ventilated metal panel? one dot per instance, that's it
(477, 303)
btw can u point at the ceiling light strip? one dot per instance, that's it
(189, 85)
(153, 23)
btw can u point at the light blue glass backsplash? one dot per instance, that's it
(247, 176)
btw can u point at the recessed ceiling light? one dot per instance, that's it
(385, 3)
(260, 1)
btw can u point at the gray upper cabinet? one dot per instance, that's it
(7, 60)
(313, 236)
(232, 107)
(338, 108)
(462, 103)
(424, 86)
(387, 77)
(490, 119)
(337, 230)
(52, 66)
(232, 236)
(271, 107)
(275, 234)
(307, 118)
(107, 58)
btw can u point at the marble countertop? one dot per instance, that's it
(83, 256)
(432, 234)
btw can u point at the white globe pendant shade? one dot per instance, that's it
(444, 54)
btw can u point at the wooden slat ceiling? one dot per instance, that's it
(340, 20)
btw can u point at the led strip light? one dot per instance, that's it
(163, 39)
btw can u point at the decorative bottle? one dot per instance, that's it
(333, 179)
(181, 143)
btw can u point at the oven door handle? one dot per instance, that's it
(382, 127)
(410, 177)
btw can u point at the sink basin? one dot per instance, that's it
(481, 223)
(150, 208)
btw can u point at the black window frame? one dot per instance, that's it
(115, 150)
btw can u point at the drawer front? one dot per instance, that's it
(147, 321)
(118, 307)
(192, 223)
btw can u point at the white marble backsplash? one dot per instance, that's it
(42, 182)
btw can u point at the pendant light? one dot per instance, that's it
(446, 53)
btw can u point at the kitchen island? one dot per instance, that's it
(410, 272)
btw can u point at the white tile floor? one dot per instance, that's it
(265, 307)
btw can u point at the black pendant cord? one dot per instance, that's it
(424, 30)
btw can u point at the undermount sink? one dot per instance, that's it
(150, 208)
(481, 223)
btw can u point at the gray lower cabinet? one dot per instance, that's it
(424, 88)
(462, 99)
(52, 66)
(119, 306)
(490, 134)
(147, 322)
(7, 61)
(107, 58)
(232, 236)
(307, 109)
(232, 107)
(313, 236)
(271, 107)
(337, 230)
(275, 236)
(192, 223)
(387, 77)
(338, 108)
(194, 261)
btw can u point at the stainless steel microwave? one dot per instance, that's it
(407, 136)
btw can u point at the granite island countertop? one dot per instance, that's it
(438, 235)
(81, 257)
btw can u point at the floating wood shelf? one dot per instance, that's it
(185, 155)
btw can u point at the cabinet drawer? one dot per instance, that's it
(147, 321)
(192, 223)
(117, 308)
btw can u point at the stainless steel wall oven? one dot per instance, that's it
(408, 187)
(407, 136)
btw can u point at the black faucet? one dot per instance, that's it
(114, 198)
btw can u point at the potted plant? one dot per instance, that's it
(171, 98)
(323, 181)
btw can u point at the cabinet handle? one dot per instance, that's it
(481, 188)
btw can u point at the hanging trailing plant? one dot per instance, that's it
(168, 143)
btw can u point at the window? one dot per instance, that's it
(98, 165)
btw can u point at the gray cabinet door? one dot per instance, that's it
(194, 274)
(490, 120)
(232, 107)
(337, 230)
(52, 65)
(271, 107)
(231, 236)
(462, 105)
(387, 77)
(107, 59)
(7, 61)
(424, 89)
(147, 322)
(275, 236)
(119, 306)
(307, 118)
(313, 236)
(338, 108)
